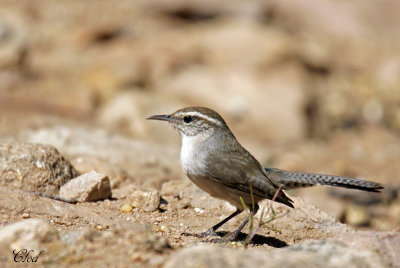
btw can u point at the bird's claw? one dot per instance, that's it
(227, 239)
(209, 232)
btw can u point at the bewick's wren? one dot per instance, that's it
(216, 162)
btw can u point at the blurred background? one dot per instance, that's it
(304, 85)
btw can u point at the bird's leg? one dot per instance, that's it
(235, 233)
(212, 230)
(215, 227)
(256, 230)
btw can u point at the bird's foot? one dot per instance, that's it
(225, 239)
(209, 232)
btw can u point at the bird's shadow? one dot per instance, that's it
(258, 240)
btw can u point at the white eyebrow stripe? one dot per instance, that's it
(204, 117)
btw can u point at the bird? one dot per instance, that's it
(214, 160)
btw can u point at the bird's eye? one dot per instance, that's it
(187, 119)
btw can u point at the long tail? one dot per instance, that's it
(291, 180)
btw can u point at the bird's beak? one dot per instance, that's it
(160, 117)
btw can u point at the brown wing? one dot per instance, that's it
(241, 171)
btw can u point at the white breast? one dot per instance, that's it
(191, 156)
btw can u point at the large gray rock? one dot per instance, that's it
(34, 167)
(88, 187)
(387, 244)
(308, 255)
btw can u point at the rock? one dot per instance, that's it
(125, 192)
(77, 236)
(27, 234)
(310, 254)
(157, 243)
(302, 223)
(142, 237)
(126, 208)
(179, 203)
(148, 201)
(325, 253)
(87, 163)
(162, 229)
(88, 187)
(387, 244)
(34, 167)
(78, 141)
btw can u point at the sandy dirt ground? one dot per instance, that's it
(304, 86)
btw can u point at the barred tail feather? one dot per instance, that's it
(291, 180)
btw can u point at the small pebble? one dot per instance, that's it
(162, 228)
(88, 187)
(147, 201)
(198, 210)
(101, 227)
(26, 215)
(126, 208)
